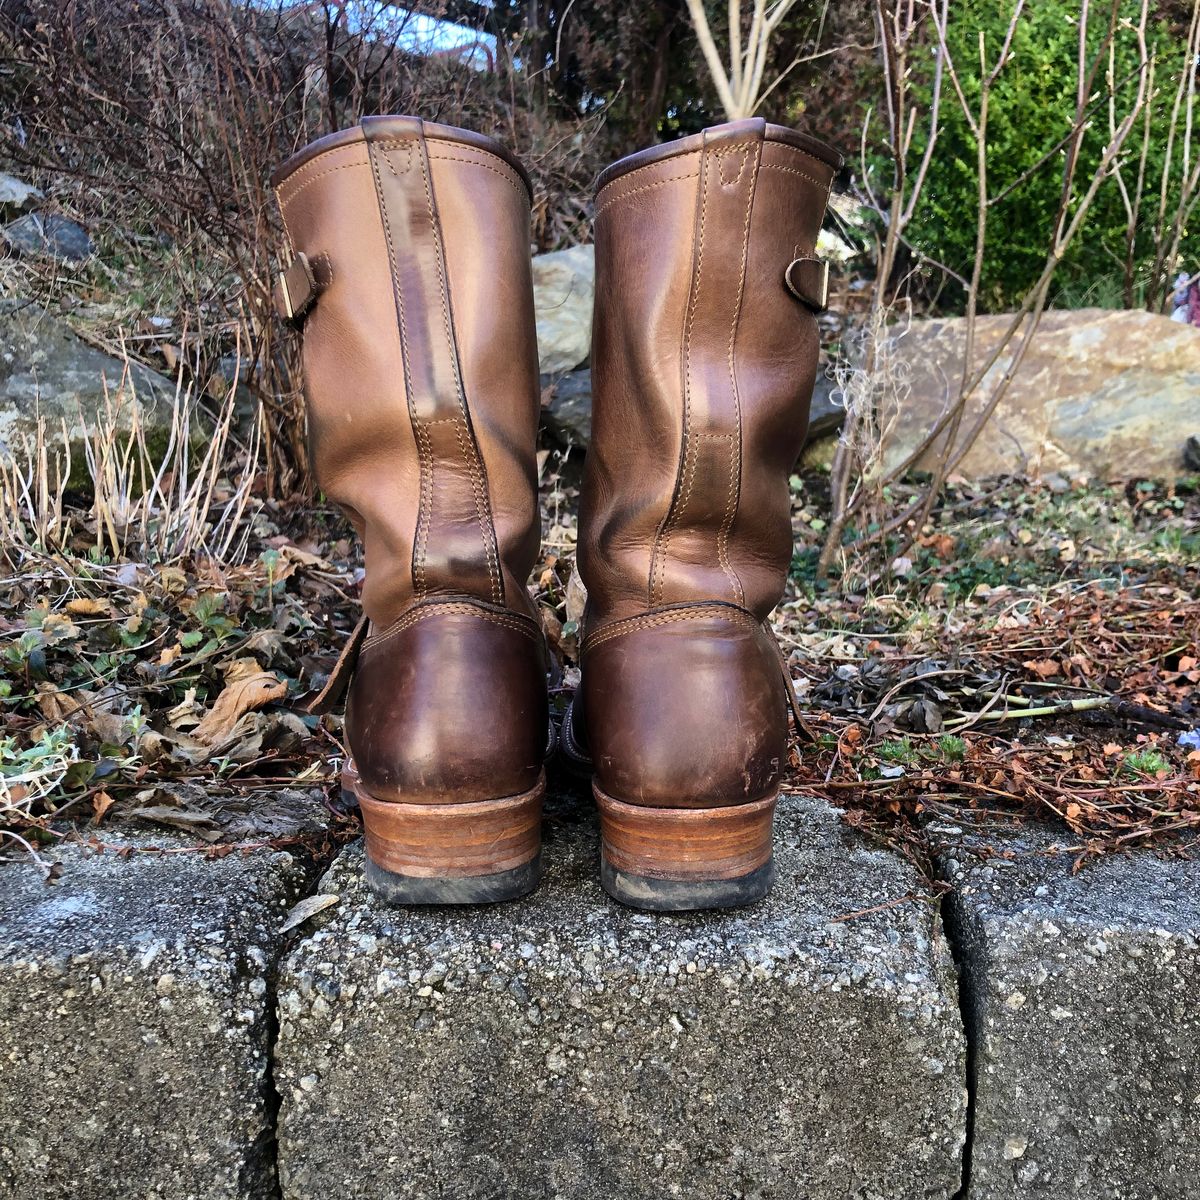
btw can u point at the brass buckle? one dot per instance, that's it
(293, 308)
(824, 304)
(802, 285)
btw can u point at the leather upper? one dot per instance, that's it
(411, 276)
(449, 705)
(703, 364)
(420, 356)
(705, 348)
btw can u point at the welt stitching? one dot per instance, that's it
(461, 433)
(425, 468)
(735, 449)
(673, 513)
(805, 154)
(651, 621)
(425, 451)
(722, 155)
(611, 200)
(470, 454)
(283, 217)
(507, 174)
(795, 171)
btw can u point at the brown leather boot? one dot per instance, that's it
(704, 353)
(412, 281)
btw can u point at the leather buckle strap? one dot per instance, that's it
(299, 284)
(808, 280)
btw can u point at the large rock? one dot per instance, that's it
(46, 368)
(48, 235)
(1100, 393)
(135, 1024)
(563, 282)
(828, 409)
(1084, 995)
(563, 1047)
(567, 413)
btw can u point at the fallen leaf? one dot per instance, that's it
(101, 803)
(306, 909)
(247, 687)
(1044, 667)
(87, 607)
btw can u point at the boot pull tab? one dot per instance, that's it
(803, 732)
(339, 678)
(299, 284)
(808, 280)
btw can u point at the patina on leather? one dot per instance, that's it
(705, 347)
(410, 276)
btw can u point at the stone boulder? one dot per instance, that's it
(48, 236)
(1101, 393)
(567, 408)
(563, 282)
(47, 369)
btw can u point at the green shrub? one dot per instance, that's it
(1031, 111)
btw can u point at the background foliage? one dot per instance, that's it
(1031, 110)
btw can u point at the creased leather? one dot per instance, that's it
(421, 389)
(703, 364)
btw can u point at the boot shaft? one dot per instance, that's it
(705, 348)
(419, 357)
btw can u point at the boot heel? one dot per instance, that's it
(677, 859)
(474, 853)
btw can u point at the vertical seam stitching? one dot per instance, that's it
(470, 453)
(735, 448)
(424, 459)
(664, 537)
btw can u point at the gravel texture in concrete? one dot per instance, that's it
(135, 1024)
(564, 1047)
(1084, 998)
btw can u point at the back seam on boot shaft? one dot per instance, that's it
(434, 198)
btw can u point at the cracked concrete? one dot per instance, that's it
(565, 1047)
(136, 1020)
(1084, 1016)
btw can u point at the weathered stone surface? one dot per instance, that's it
(16, 193)
(563, 282)
(49, 235)
(1085, 1004)
(564, 1047)
(827, 411)
(45, 368)
(1100, 393)
(135, 1018)
(567, 417)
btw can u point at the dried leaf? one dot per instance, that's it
(308, 908)
(87, 607)
(244, 692)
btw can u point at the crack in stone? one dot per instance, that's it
(953, 920)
